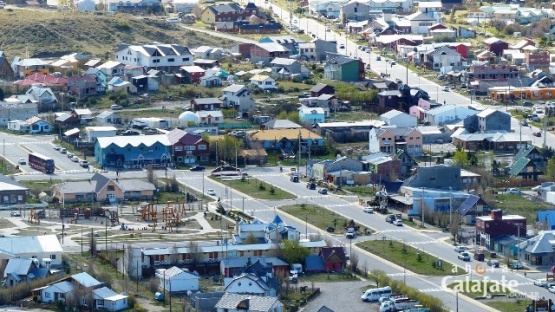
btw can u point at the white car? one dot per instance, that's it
(552, 289)
(369, 210)
(21, 161)
(211, 192)
(464, 256)
(460, 249)
(446, 89)
(398, 222)
(540, 282)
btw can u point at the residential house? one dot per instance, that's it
(490, 229)
(496, 141)
(287, 68)
(390, 139)
(9, 111)
(472, 207)
(398, 119)
(238, 97)
(327, 102)
(133, 151)
(288, 42)
(205, 63)
(56, 82)
(325, 170)
(537, 59)
(230, 267)
(447, 114)
(43, 247)
(220, 12)
(265, 52)
(93, 133)
(354, 11)
(146, 83)
(419, 22)
(206, 104)
(42, 95)
(286, 138)
(106, 299)
(192, 74)
(206, 52)
(419, 199)
(263, 82)
(176, 280)
(311, 115)
(321, 88)
(11, 192)
(132, 7)
(6, 71)
(528, 163)
(281, 124)
(488, 120)
(539, 250)
(112, 69)
(82, 85)
(334, 258)
(348, 131)
(100, 77)
(330, 9)
(231, 302)
(485, 76)
(188, 148)
(495, 45)
(166, 57)
(391, 99)
(26, 67)
(108, 117)
(117, 84)
(442, 58)
(66, 289)
(256, 279)
(343, 68)
(316, 50)
(82, 115)
(383, 167)
(101, 188)
(210, 81)
(434, 134)
(25, 270)
(33, 125)
(210, 117)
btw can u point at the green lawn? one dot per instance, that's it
(520, 205)
(360, 190)
(324, 278)
(352, 116)
(512, 305)
(479, 288)
(407, 256)
(320, 217)
(257, 189)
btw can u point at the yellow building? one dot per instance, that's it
(504, 94)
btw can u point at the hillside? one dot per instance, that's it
(52, 33)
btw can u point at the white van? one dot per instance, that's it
(375, 294)
(173, 19)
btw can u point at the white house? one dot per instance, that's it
(328, 8)
(238, 96)
(210, 117)
(41, 94)
(176, 280)
(39, 247)
(447, 114)
(210, 81)
(32, 125)
(112, 68)
(64, 289)
(420, 22)
(263, 82)
(107, 299)
(248, 283)
(399, 119)
(100, 132)
(248, 303)
(167, 57)
(444, 58)
(108, 117)
(355, 11)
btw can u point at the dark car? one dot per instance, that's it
(390, 218)
(538, 134)
(493, 263)
(197, 168)
(330, 229)
(323, 191)
(311, 185)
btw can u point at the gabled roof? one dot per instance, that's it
(492, 40)
(467, 205)
(251, 303)
(234, 88)
(544, 242)
(289, 134)
(18, 266)
(327, 252)
(207, 101)
(315, 263)
(339, 59)
(283, 61)
(392, 113)
(85, 280)
(486, 112)
(134, 141)
(104, 293)
(318, 87)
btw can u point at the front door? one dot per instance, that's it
(111, 197)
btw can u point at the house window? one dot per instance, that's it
(100, 302)
(202, 147)
(185, 59)
(19, 197)
(171, 59)
(46, 295)
(156, 61)
(111, 188)
(257, 253)
(53, 257)
(178, 148)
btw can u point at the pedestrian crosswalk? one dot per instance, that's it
(423, 242)
(24, 143)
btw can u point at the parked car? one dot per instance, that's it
(493, 263)
(57, 147)
(446, 89)
(517, 265)
(460, 249)
(211, 192)
(464, 85)
(464, 256)
(551, 289)
(75, 159)
(538, 134)
(513, 191)
(398, 222)
(527, 104)
(540, 282)
(524, 122)
(341, 46)
(311, 185)
(15, 214)
(330, 229)
(70, 155)
(63, 150)
(116, 107)
(197, 168)
(84, 164)
(378, 58)
(323, 191)
(393, 63)
(390, 218)
(21, 161)
(368, 210)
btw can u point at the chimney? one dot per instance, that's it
(497, 214)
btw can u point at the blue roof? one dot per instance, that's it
(85, 280)
(467, 205)
(277, 220)
(315, 264)
(547, 216)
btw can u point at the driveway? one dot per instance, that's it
(340, 295)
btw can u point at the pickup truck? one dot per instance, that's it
(351, 233)
(394, 305)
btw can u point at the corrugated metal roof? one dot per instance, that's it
(85, 279)
(517, 167)
(134, 140)
(253, 303)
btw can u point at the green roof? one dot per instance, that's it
(517, 167)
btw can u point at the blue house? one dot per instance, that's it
(127, 152)
(547, 217)
(100, 76)
(312, 115)
(287, 138)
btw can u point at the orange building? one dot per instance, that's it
(503, 94)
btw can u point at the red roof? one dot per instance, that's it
(48, 80)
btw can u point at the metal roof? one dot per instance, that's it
(467, 205)
(85, 279)
(251, 303)
(134, 141)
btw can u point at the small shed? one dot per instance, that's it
(334, 258)
(177, 280)
(315, 264)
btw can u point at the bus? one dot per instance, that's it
(41, 163)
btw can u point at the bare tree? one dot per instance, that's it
(154, 284)
(173, 254)
(353, 258)
(194, 250)
(277, 247)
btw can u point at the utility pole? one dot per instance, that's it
(243, 204)
(137, 276)
(299, 163)
(450, 207)
(306, 226)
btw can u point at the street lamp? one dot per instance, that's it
(422, 204)
(450, 207)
